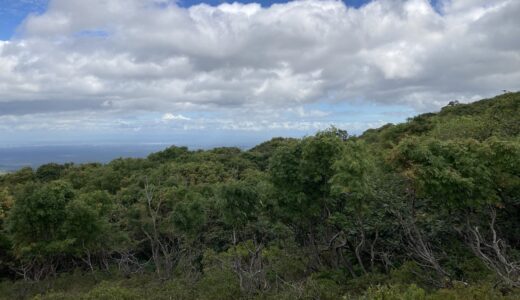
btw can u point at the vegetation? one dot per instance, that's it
(427, 209)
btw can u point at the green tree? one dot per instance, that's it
(49, 172)
(358, 218)
(301, 175)
(467, 181)
(36, 227)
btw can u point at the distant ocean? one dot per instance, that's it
(14, 158)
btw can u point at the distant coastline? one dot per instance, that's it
(14, 158)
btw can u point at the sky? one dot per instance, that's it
(195, 72)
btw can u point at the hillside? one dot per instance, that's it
(480, 120)
(426, 209)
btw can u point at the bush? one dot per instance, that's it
(110, 291)
(394, 292)
(55, 296)
(218, 284)
(322, 289)
(481, 292)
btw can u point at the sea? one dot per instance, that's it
(13, 158)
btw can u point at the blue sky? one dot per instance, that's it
(158, 71)
(13, 12)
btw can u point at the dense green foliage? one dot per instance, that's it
(427, 209)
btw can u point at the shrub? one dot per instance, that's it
(394, 292)
(110, 291)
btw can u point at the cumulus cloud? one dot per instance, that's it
(130, 57)
(170, 117)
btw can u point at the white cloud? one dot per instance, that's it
(172, 117)
(129, 57)
(302, 112)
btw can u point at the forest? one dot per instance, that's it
(425, 209)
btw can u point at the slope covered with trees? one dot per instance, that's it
(427, 209)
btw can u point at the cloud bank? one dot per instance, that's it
(149, 63)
